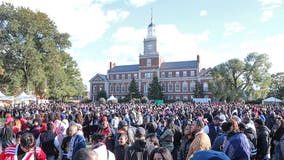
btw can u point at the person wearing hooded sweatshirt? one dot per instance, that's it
(7, 135)
(138, 150)
(263, 140)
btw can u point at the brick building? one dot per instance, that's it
(178, 79)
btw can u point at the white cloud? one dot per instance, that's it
(266, 15)
(140, 3)
(273, 46)
(129, 35)
(268, 6)
(84, 20)
(172, 44)
(203, 13)
(116, 15)
(233, 27)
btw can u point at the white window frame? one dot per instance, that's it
(170, 87)
(163, 74)
(184, 73)
(205, 86)
(170, 74)
(192, 73)
(185, 87)
(149, 62)
(177, 73)
(177, 87)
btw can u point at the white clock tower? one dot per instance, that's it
(150, 42)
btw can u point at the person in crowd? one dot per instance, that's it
(115, 121)
(36, 129)
(151, 128)
(124, 128)
(119, 150)
(26, 150)
(201, 140)
(213, 129)
(85, 154)
(17, 127)
(49, 143)
(107, 131)
(138, 150)
(7, 135)
(161, 153)
(177, 139)
(152, 142)
(278, 139)
(236, 146)
(100, 148)
(65, 144)
(77, 141)
(252, 137)
(186, 141)
(219, 141)
(263, 140)
(166, 138)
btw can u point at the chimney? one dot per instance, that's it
(198, 59)
(110, 65)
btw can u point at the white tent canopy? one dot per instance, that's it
(5, 98)
(271, 100)
(24, 97)
(112, 99)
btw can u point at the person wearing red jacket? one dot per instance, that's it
(26, 150)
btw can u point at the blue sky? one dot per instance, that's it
(218, 30)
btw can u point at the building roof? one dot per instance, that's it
(179, 65)
(100, 76)
(126, 68)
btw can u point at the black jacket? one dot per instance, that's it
(137, 151)
(263, 142)
(119, 152)
(47, 143)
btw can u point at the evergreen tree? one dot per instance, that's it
(102, 94)
(198, 93)
(133, 90)
(155, 90)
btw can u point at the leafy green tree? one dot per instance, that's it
(277, 85)
(33, 57)
(236, 79)
(155, 89)
(102, 94)
(133, 90)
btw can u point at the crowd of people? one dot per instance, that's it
(126, 131)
